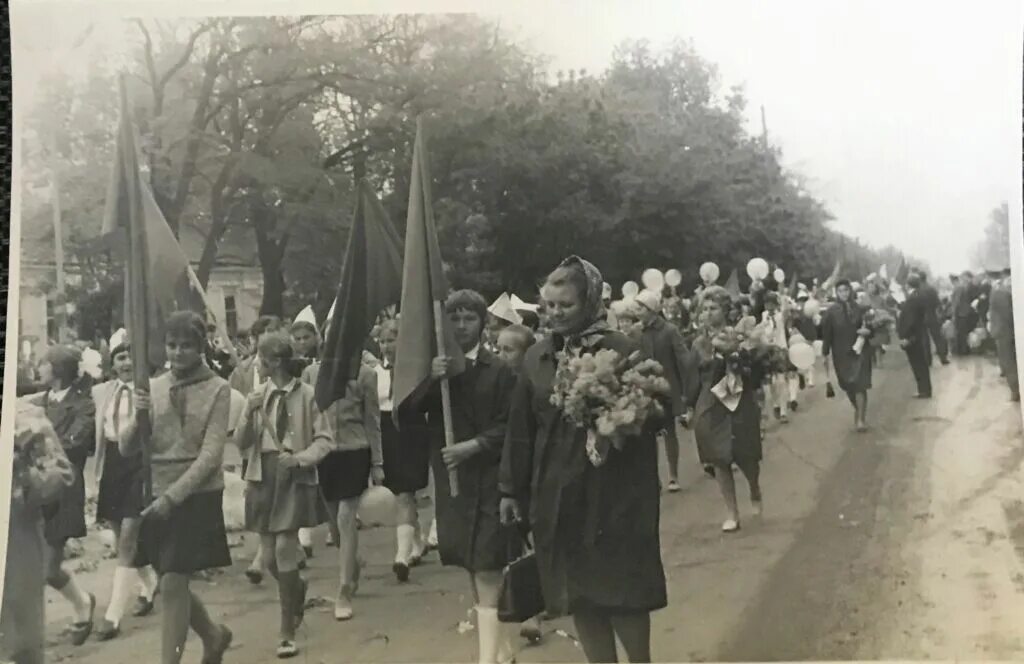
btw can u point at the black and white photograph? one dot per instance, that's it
(524, 332)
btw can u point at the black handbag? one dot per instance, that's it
(521, 597)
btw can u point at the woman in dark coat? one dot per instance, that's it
(595, 528)
(841, 327)
(69, 406)
(725, 436)
(469, 529)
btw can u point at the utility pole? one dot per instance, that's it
(60, 311)
(764, 129)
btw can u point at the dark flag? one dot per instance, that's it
(371, 281)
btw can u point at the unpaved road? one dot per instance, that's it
(906, 542)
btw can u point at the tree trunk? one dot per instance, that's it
(271, 255)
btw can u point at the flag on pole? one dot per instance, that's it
(371, 280)
(423, 284)
(732, 284)
(903, 271)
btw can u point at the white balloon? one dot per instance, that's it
(673, 277)
(709, 272)
(757, 268)
(630, 289)
(653, 279)
(377, 506)
(812, 308)
(802, 356)
(796, 338)
(780, 276)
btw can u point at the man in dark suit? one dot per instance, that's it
(964, 315)
(1001, 326)
(913, 331)
(662, 341)
(932, 304)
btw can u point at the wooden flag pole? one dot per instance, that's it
(446, 397)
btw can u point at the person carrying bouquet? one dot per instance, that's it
(594, 521)
(724, 411)
(844, 336)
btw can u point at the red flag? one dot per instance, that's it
(423, 284)
(371, 280)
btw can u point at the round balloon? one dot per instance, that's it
(802, 356)
(377, 506)
(709, 272)
(757, 268)
(673, 277)
(630, 289)
(812, 308)
(653, 279)
(780, 276)
(796, 338)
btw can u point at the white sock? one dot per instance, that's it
(488, 629)
(150, 582)
(306, 537)
(120, 595)
(79, 599)
(432, 537)
(404, 534)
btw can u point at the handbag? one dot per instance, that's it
(521, 597)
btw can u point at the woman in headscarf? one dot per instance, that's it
(841, 329)
(182, 530)
(595, 529)
(41, 472)
(727, 425)
(69, 406)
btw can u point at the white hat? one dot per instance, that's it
(649, 300)
(307, 316)
(503, 309)
(521, 305)
(118, 338)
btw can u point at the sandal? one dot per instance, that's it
(80, 631)
(730, 526)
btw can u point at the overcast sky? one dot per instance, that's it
(905, 116)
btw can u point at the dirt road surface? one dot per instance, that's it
(903, 543)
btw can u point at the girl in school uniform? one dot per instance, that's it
(182, 530)
(406, 453)
(69, 407)
(284, 436)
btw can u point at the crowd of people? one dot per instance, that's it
(521, 465)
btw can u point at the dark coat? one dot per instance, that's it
(469, 531)
(912, 323)
(595, 529)
(839, 328)
(723, 436)
(74, 421)
(663, 342)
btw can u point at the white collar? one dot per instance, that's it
(473, 354)
(58, 395)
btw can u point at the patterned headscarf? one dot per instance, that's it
(595, 320)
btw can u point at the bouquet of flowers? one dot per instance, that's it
(610, 396)
(746, 355)
(875, 320)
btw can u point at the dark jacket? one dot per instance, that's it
(913, 319)
(595, 529)
(662, 342)
(469, 530)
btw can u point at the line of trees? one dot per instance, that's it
(254, 128)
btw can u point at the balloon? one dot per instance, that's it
(630, 289)
(673, 277)
(709, 272)
(812, 308)
(802, 356)
(780, 276)
(757, 268)
(796, 338)
(819, 347)
(653, 279)
(377, 506)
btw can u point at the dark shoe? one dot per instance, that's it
(401, 571)
(302, 565)
(308, 551)
(107, 631)
(80, 631)
(143, 606)
(793, 406)
(709, 471)
(216, 655)
(255, 576)
(778, 413)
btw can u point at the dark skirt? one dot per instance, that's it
(853, 372)
(280, 504)
(345, 474)
(191, 539)
(406, 456)
(120, 495)
(65, 519)
(724, 437)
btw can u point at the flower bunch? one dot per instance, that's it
(744, 350)
(610, 396)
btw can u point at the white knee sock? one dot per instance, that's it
(306, 537)
(488, 629)
(404, 534)
(150, 582)
(79, 599)
(120, 595)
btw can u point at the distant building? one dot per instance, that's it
(234, 291)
